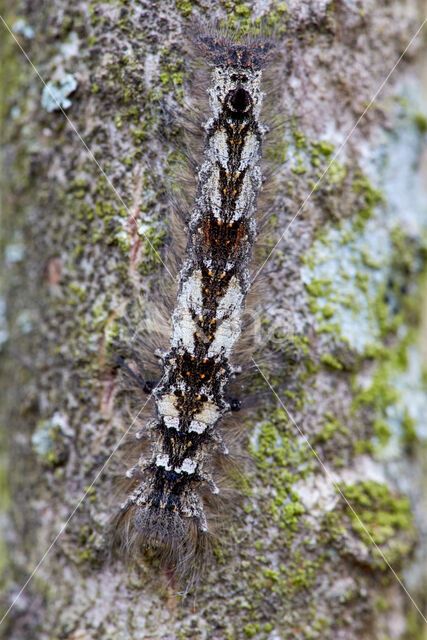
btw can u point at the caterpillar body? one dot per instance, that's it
(171, 487)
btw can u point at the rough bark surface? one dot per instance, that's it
(340, 313)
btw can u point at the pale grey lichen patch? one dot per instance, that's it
(397, 157)
(318, 494)
(70, 47)
(25, 320)
(42, 438)
(345, 270)
(23, 28)
(14, 252)
(411, 386)
(55, 96)
(350, 269)
(45, 437)
(15, 112)
(4, 332)
(406, 417)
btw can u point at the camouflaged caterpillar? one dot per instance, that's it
(172, 488)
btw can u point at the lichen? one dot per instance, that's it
(397, 394)
(241, 22)
(55, 96)
(346, 272)
(185, 7)
(282, 462)
(353, 273)
(22, 27)
(381, 518)
(420, 120)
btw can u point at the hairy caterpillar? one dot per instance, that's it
(171, 486)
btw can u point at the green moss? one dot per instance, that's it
(318, 288)
(330, 427)
(303, 571)
(420, 120)
(329, 327)
(239, 18)
(383, 514)
(271, 574)
(90, 493)
(290, 515)
(319, 149)
(382, 431)
(299, 139)
(251, 629)
(177, 77)
(184, 6)
(164, 77)
(336, 173)
(415, 626)
(243, 10)
(78, 291)
(382, 393)
(332, 526)
(327, 311)
(370, 197)
(281, 462)
(381, 604)
(320, 624)
(363, 446)
(299, 169)
(331, 361)
(322, 147)
(409, 435)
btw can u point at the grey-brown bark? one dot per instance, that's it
(343, 294)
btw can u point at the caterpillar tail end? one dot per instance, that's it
(178, 544)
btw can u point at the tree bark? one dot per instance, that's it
(339, 341)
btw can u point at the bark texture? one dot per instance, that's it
(340, 314)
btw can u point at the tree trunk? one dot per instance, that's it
(339, 338)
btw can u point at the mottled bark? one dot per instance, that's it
(339, 341)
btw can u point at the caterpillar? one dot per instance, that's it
(172, 486)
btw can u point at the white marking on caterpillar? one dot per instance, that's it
(197, 426)
(189, 303)
(166, 405)
(162, 460)
(188, 466)
(211, 189)
(220, 149)
(171, 423)
(205, 418)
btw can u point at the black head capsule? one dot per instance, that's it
(235, 404)
(239, 102)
